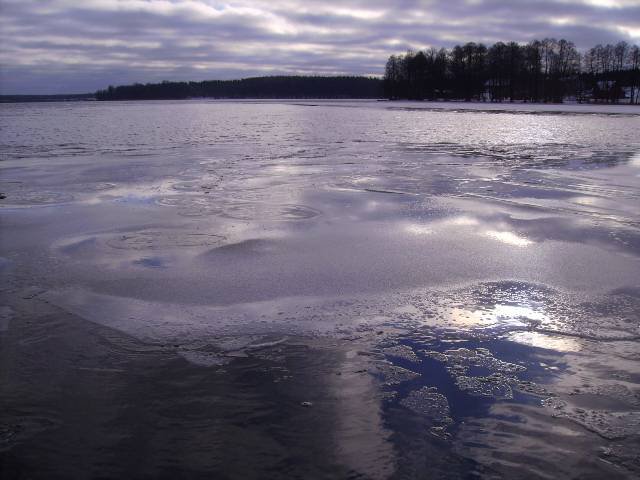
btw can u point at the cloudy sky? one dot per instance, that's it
(64, 46)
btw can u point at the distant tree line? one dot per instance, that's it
(546, 70)
(71, 97)
(258, 87)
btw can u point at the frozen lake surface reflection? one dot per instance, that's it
(319, 290)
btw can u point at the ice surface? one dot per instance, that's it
(470, 268)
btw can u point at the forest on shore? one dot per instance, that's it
(64, 97)
(257, 87)
(546, 70)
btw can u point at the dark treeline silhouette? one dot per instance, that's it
(258, 87)
(71, 97)
(546, 70)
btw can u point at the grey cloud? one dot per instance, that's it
(56, 46)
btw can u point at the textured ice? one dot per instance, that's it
(494, 386)
(401, 351)
(190, 205)
(391, 374)
(461, 359)
(612, 425)
(24, 197)
(262, 212)
(159, 239)
(430, 404)
(626, 456)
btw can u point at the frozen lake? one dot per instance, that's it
(319, 289)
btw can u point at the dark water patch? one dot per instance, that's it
(5, 264)
(462, 405)
(473, 375)
(158, 415)
(151, 262)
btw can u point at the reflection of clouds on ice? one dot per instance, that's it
(360, 433)
(509, 238)
(418, 229)
(546, 341)
(499, 315)
(510, 312)
(462, 224)
(504, 307)
(464, 220)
